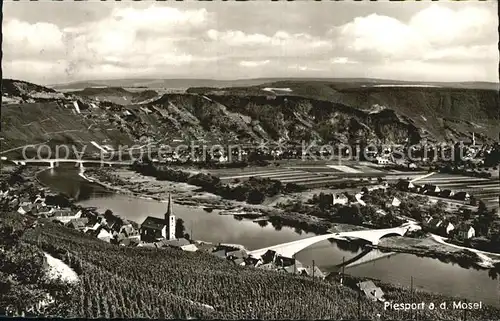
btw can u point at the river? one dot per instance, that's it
(428, 273)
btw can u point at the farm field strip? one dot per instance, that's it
(326, 181)
(310, 179)
(261, 174)
(344, 168)
(487, 188)
(454, 179)
(313, 168)
(292, 175)
(494, 185)
(463, 182)
(450, 185)
(244, 171)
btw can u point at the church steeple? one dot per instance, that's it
(169, 209)
(170, 220)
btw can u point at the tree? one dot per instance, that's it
(255, 197)
(179, 228)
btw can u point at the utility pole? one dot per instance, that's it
(343, 270)
(359, 304)
(313, 270)
(465, 311)
(411, 293)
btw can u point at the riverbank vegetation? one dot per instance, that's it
(253, 191)
(121, 282)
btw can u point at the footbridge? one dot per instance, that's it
(78, 162)
(373, 236)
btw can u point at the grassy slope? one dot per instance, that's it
(32, 123)
(135, 282)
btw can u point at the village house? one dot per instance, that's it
(340, 199)
(383, 161)
(433, 223)
(466, 231)
(404, 185)
(462, 196)
(447, 193)
(177, 243)
(65, 215)
(155, 229)
(220, 254)
(104, 235)
(78, 223)
(359, 199)
(371, 291)
(449, 228)
(430, 189)
(312, 272)
(238, 254)
(240, 262)
(395, 203)
(25, 209)
(189, 248)
(88, 228)
(284, 261)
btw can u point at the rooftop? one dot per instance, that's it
(154, 223)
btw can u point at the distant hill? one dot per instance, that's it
(295, 111)
(115, 95)
(187, 83)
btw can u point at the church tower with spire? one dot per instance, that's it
(170, 220)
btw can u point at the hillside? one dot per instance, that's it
(122, 282)
(291, 110)
(446, 114)
(188, 83)
(115, 95)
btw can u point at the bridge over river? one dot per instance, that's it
(289, 249)
(78, 162)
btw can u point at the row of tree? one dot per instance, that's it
(254, 190)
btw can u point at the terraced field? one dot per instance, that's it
(315, 175)
(484, 189)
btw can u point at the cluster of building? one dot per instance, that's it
(270, 260)
(33, 202)
(443, 226)
(432, 190)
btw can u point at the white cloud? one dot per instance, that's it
(22, 39)
(298, 67)
(444, 26)
(279, 43)
(160, 41)
(380, 35)
(342, 60)
(434, 33)
(255, 63)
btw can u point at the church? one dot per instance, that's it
(154, 229)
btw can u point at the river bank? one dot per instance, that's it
(131, 183)
(228, 230)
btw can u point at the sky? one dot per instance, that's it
(58, 42)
